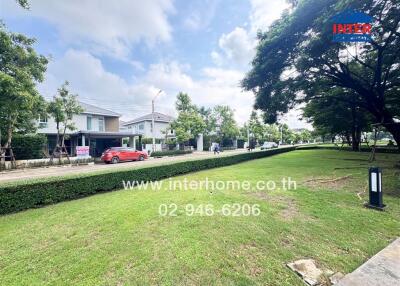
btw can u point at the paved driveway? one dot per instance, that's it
(66, 170)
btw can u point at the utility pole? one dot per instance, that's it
(153, 147)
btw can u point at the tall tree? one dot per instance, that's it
(272, 133)
(20, 69)
(334, 117)
(62, 109)
(305, 136)
(209, 120)
(184, 103)
(256, 126)
(226, 125)
(297, 57)
(189, 123)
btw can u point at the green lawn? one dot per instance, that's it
(119, 238)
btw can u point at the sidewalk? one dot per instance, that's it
(67, 170)
(382, 269)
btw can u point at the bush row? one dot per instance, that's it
(28, 146)
(348, 148)
(170, 153)
(27, 195)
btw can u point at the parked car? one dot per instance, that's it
(269, 145)
(117, 154)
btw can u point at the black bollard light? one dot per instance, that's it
(375, 189)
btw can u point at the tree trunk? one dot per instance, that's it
(8, 143)
(63, 137)
(2, 154)
(355, 130)
(348, 139)
(356, 138)
(394, 129)
(384, 117)
(56, 148)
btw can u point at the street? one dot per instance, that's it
(67, 170)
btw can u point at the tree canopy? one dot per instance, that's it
(225, 124)
(20, 69)
(62, 109)
(297, 61)
(189, 123)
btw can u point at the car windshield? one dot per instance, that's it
(121, 149)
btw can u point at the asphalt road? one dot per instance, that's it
(67, 170)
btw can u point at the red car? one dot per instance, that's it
(116, 154)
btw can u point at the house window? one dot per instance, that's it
(141, 126)
(101, 123)
(89, 123)
(42, 121)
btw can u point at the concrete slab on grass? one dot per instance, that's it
(382, 269)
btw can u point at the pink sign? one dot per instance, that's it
(82, 151)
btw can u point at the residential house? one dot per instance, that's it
(143, 126)
(95, 127)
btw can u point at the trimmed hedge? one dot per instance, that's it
(27, 195)
(348, 148)
(170, 153)
(28, 146)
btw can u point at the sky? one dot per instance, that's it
(119, 54)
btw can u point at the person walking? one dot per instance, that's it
(216, 149)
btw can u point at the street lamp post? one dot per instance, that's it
(375, 189)
(153, 147)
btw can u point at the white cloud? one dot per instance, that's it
(216, 58)
(264, 12)
(193, 22)
(169, 75)
(103, 26)
(199, 15)
(293, 118)
(95, 85)
(216, 86)
(238, 46)
(92, 29)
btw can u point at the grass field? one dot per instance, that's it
(119, 238)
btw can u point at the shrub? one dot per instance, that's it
(150, 140)
(28, 146)
(25, 195)
(223, 148)
(348, 148)
(170, 153)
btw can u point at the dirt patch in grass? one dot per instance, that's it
(290, 212)
(334, 183)
(287, 241)
(249, 253)
(290, 209)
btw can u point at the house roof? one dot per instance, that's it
(158, 117)
(105, 134)
(91, 109)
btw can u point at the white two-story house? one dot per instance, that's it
(95, 127)
(143, 126)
